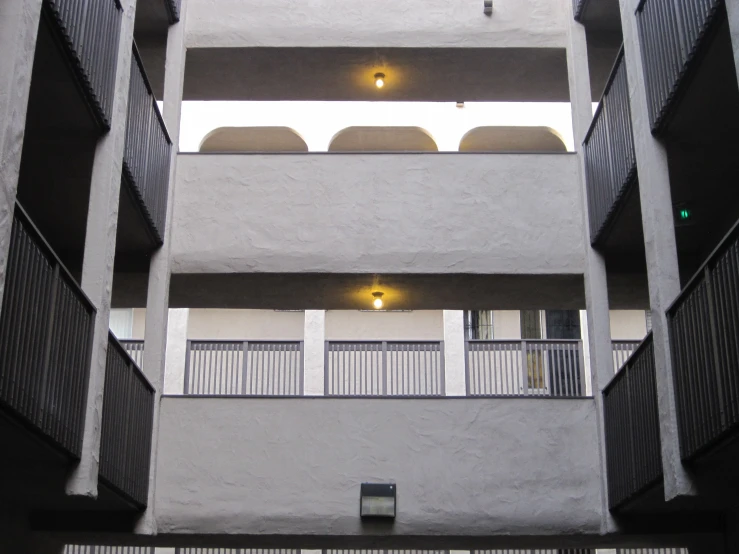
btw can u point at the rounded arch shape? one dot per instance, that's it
(383, 139)
(512, 139)
(253, 139)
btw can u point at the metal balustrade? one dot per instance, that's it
(652, 551)
(126, 428)
(46, 328)
(538, 551)
(235, 551)
(147, 152)
(90, 32)
(384, 368)
(525, 368)
(633, 453)
(704, 326)
(671, 35)
(610, 159)
(135, 349)
(86, 549)
(622, 350)
(244, 368)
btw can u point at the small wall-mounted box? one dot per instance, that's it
(377, 501)
(488, 7)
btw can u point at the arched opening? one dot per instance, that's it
(383, 139)
(512, 139)
(253, 139)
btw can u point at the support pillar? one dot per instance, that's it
(19, 23)
(732, 10)
(598, 332)
(455, 380)
(314, 357)
(160, 267)
(176, 351)
(661, 250)
(97, 267)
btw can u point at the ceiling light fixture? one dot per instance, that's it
(377, 302)
(379, 80)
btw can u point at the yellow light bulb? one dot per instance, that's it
(379, 80)
(377, 303)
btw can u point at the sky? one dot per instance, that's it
(318, 122)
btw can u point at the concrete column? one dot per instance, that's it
(19, 23)
(314, 358)
(661, 250)
(97, 267)
(160, 269)
(455, 382)
(586, 352)
(598, 330)
(176, 351)
(732, 10)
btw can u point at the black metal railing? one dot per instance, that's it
(148, 150)
(128, 415)
(384, 368)
(90, 33)
(46, 328)
(173, 10)
(671, 35)
(610, 159)
(704, 326)
(135, 349)
(244, 368)
(633, 454)
(524, 368)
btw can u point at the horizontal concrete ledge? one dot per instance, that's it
(377, 397)
(377, 153)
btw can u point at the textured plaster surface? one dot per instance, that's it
(454, 353)
(313, 353)
(99, 256)
(462, 466)
(366, 213)
(18, 31)
(245, 325)
(410, 23)
(384, 325)
(660, 248)
(176, 355)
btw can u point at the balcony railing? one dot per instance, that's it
(128, 416)
(525, 368)
(704, 326)
(671, 36)
(147, 153)
(173, 10)
(622, 350)
(46, 328)
(610, 159)
(384, 368)
(84, 549)
(631, 416)
(90, 33)
(135, 349)
(244, 368)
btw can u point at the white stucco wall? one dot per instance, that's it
(368, 213)
(462, 466)
(215, 324)
(628, 324)
(390, 23)
(507, 324)
(378, 325)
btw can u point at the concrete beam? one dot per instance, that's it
(176, 353)
(99, 255)
(19, 22)
(455, 383)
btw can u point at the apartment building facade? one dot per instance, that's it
(463, 331)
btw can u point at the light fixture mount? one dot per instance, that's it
(377, 302)
(379, 80)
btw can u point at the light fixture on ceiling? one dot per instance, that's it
(460, 104)
(377, 302)
(379, 80)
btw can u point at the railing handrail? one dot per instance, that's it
(147, 84)
(716, 253)
(508, 341)
(387, 341)
(620, 374)
(131, 341)
(626, 341)
(42, 243)
(241, 341)
(137, 370)
(606, 90)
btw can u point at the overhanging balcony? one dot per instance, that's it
(89, 32)
(46, 329)
(673, 36)
(704, 326)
